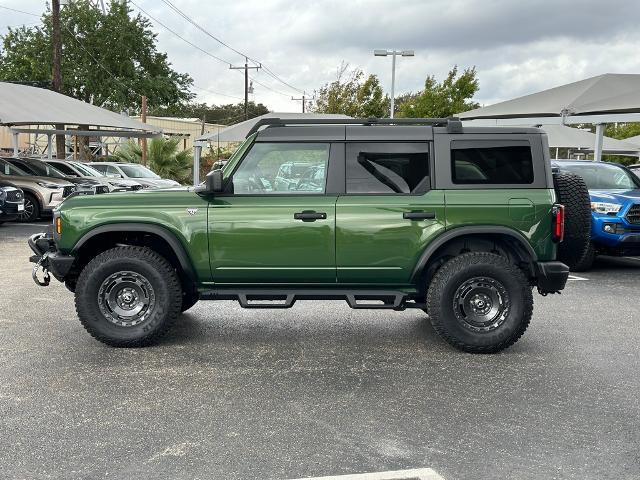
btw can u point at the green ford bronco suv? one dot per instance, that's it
(387, 214)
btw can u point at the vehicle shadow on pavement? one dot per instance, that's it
(247, 328)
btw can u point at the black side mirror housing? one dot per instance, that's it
(214, 181)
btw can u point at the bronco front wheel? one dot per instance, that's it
(479, 302)
(128, 296)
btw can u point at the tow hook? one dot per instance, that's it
(46, 279)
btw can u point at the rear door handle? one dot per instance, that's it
(419, 215)
(309, 216)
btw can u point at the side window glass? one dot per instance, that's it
(401, 168)
(64, 169)
(473, 163)
(282, 168)
(112, 170)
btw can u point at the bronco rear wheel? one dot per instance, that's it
(128, 296)
(479, 302)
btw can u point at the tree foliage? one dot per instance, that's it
(353, 94)
(222, 114)
(453, 95)
(164, 157)
(108, 59)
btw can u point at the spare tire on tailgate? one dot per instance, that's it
(572, 192)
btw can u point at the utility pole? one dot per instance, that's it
(56, 39)
(303, 98)
(246, 69)
(143, 140)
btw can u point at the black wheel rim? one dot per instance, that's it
(481, 304)
(126, 299)
(27, 213)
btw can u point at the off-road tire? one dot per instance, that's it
(152, 267)
(189, 299)
(33, 213)
(587, 260)
(572, 192)
(465, 268)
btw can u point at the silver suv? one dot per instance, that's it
(41, 194)
(72, 168)
(134, 171)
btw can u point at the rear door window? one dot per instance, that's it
(387, 168)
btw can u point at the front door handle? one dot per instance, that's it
(419, 215)
(309, 216)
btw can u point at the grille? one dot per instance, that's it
(14, 196)
(633, 216)
(68, 191)
(136, 187)
(102, 189)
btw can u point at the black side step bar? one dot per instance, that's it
(274, 298)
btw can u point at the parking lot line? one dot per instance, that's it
(413, 474)
(577, 278)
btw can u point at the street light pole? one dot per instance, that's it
(393, 53)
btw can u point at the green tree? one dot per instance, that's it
(222, 114)
(353, 94)
(444, 99)
(108, 60)
(163, 155)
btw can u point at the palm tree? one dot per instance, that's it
(163, 158)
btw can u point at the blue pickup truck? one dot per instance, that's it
(615, 208)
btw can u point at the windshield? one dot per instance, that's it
(601, 176)
(7, 169)
(86, 170)
(137, 171)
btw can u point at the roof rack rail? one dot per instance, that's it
(453, 124)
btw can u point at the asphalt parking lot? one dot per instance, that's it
(318, 390)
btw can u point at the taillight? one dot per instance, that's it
(557, 224)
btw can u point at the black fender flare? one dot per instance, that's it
(162, 232)
(457, 232)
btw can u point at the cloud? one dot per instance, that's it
(517, 47)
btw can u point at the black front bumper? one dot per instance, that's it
(48, 257)
(551, 276)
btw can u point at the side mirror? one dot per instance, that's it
(214, 181)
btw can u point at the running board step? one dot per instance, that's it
(274, 298)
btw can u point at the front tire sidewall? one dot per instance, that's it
(167, 301)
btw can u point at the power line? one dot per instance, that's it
(217, 93)
(19, 11)
(206, 32)
(215, 57)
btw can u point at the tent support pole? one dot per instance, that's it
(15, 144)
(197, 151)
(597, 151)
(49, 145)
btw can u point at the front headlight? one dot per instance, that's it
(604, 207)
(3, 193)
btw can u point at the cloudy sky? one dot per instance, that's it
(517, 47)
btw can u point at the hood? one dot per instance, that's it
(85, 181)
(622, 197)
(121, 181)
(156, 182)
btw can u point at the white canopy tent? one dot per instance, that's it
(239, 131)
(607, 98)
(21, 105)
(561, 136)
